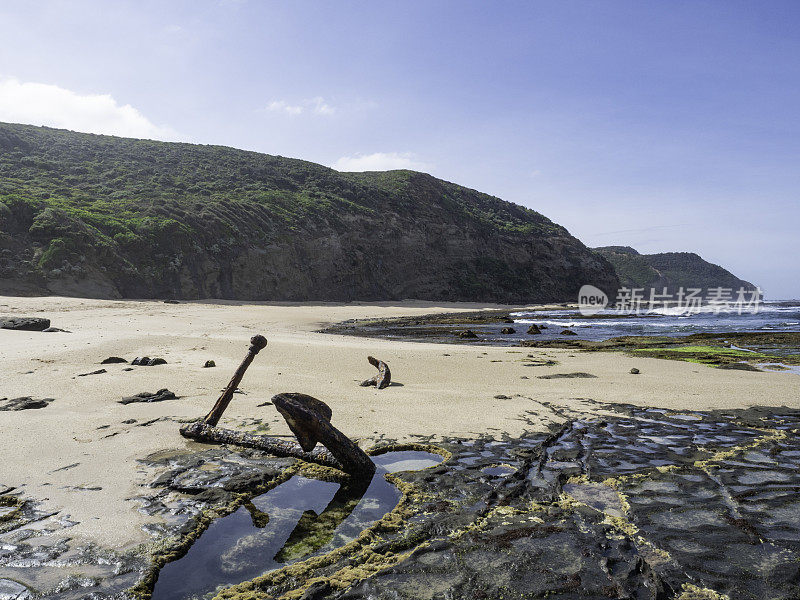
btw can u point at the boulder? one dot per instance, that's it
(634, 371)
(468, 335)
(534, 329)
(160, 395)
(209, 363)
(508, 330)
(25, 323)
(568, 332)
(146, 361)
(112, 360)
(23, 403)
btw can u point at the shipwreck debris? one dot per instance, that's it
(383, 378)
(307, 417)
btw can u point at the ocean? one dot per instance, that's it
(771, 316)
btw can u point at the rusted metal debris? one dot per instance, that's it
(384, 376)
(308, 418)
(257, 343)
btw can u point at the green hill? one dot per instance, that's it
(102, 216)
(671, 270)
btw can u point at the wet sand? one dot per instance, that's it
(79, 457)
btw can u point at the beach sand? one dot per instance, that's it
(77, 455)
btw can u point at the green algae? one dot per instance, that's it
(363, 558)
(707, 355)
(174, 548)
(15, 504)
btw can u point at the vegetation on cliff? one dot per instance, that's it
(671, 270)
(99, 215)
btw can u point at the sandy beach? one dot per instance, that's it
(79, 456)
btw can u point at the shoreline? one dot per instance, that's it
(447, 390)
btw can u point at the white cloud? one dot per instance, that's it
(320, 107)
(316, 106)
(46, 104)
(379, 161)
(284, 107)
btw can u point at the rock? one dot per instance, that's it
(568, 376)
(24, 403)
(508, 330)
(634, 371)
(25, 323)
(146, 361)
(55, 330)
(568, 332)
(209, 363)
(171, 302)
(542, 326)
(534, 329)
(11, 590)
(502, 397)
(468, 335)
(112, 360)
(506, 320)
(160, 395)
(98, 372)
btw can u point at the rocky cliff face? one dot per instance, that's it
(100, 216)
(671, 270)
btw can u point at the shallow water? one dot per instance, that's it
(293, 521)
(771, 316)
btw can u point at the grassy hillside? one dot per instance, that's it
(672, 270)
(136, 217)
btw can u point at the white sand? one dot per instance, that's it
(440, 395)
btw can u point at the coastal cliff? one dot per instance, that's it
(108, 217)
(671, 270)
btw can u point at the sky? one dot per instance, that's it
(666, 126)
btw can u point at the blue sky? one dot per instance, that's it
(660, 125)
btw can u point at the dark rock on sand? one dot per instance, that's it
(468, 335)
(577, 375)
(568, 332)
(146, 361)
(508, 330)
(634, 371)
(112, 360)
(160, 395)
(534, 329)
(24, 403)
(209, 364)
(25, 323)
(98, 372)
(171, 302)
(55, 330)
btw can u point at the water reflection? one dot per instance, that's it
(291, 522)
